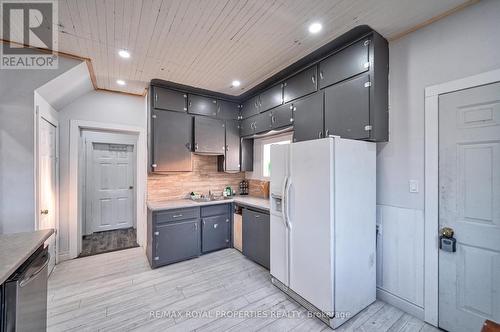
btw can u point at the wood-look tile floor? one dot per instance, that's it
(118, 291)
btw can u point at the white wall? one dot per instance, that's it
(96, 106)
(460, 45)
(17, 181)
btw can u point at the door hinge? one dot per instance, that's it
(157, 233)
(368, 84)
(366, 65)
(227, 240)
(153, 116)
(153, 165)
(156, 258)
(368, 127)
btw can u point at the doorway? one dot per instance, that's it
(108, 192)
(47, 183)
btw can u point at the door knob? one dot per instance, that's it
(446, 232)
(44, 211)
(131, 187)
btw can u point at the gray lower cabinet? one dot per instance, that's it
(271, 98)
(301, 84)
(350, 61)
(201, 105)
(209, 135)
(256, 237)
(227, 110)
(215, 233)
(176, 241)
(171, 141)
(308, 118)
(347, 108)
(169, 100)
(230, 162)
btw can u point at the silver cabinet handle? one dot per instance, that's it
(196, 146)
(188, 146)
(320, 134)
(177, 215)
(227, 147)
(321, 75)
(154, 165)
(195, 226)
(327, 132)
(313, 79)
(156, 97)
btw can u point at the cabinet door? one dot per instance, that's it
(169, 100)
(271, 98)
(308, 117)
(227, 110)
(202, 105)
(300, 85)
(172, 135)
(256, 239)
(347, 108)
(175, 242)
(250, 107)
(262, 122)
(215, 233)
(247, 126)
(209, 135)
(246, 154)
(349, 62)
(282, 116)
(232, 159)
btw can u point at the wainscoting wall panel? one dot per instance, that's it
(400, 257)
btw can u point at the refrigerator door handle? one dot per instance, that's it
(283, 197)
(286, 206)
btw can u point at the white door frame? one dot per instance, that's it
(106, 138)
(431, 226)
(41, 114)
(75, 208)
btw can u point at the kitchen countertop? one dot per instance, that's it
(16, 248)
(251, 201)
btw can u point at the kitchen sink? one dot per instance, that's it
(209, 199)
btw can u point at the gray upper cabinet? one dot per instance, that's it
(308, 117)
(347, 108)
(349, 62)
(262, 123)
(169, 100)
(232, 158)
(250, 107)
(177, 241)
(202, 105)
(271, 98)
(171, 141)
(302, 84)
(227, 110)
(209, 136)
(281, 116)
(215, 233)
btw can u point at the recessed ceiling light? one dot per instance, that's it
(120, 82)
(235, 83)
(124, 54)
(315, 27)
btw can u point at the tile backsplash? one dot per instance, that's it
(204, 177)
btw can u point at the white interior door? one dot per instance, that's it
(311, 222)
(469, 203)
(110, 187)
(47, 183)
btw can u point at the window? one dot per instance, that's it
(266, 157)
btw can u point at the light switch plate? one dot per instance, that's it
(413, 186)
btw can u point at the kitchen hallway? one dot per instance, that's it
(121, 293)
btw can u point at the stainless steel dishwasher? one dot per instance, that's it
(25, 295)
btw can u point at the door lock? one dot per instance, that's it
(446, 240)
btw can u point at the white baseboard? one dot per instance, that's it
(400, 303)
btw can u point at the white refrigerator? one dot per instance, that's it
(323, 224)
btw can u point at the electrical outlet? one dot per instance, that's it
(413, 186)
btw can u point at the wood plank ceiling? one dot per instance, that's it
(209, 43)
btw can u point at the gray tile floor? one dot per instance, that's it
(118, 291)
(101, 242)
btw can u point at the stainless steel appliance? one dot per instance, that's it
(24, 298)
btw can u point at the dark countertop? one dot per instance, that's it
(16, 248)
